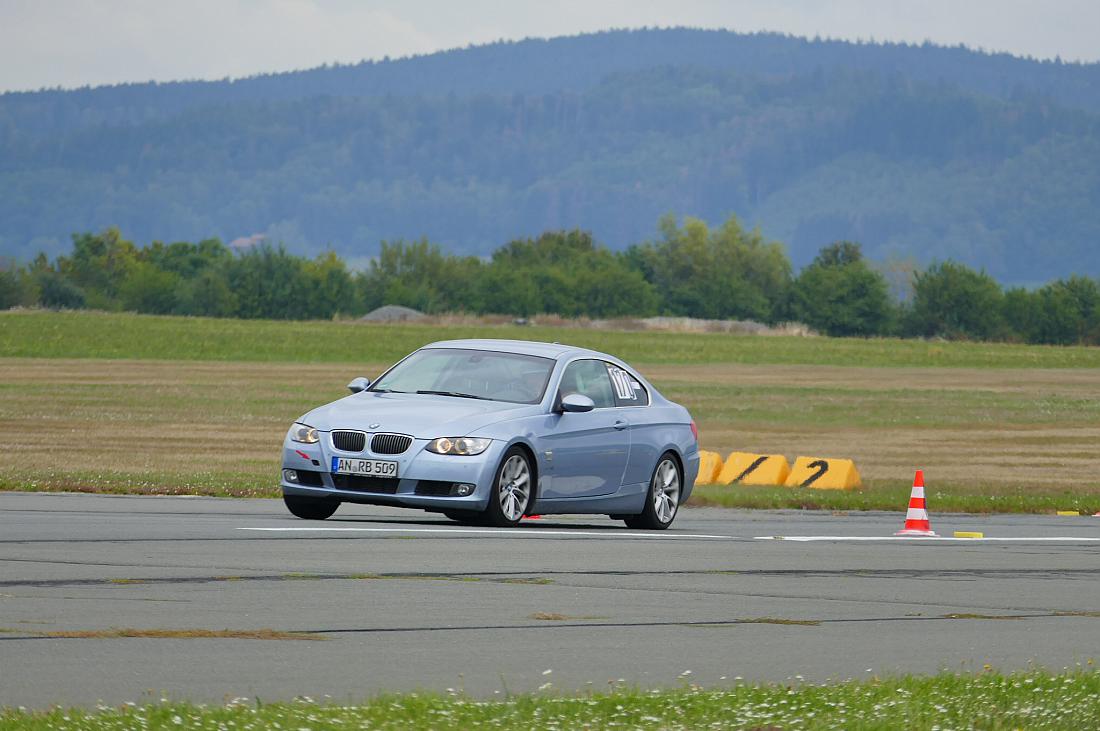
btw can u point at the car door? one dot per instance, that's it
(586, 453)
(632, 401)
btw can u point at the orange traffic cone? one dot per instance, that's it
(916, 519)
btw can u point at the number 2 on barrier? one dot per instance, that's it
(822, 467)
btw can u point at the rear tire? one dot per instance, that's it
(310, 508)
(663, 499)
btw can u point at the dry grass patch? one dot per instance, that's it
(1007, 430)
(415, 577)
(779, 620)
(155, 427)
(760, 620)
(558, 617)
(988, 439)
(968, 615)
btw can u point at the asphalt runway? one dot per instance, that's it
(402, 600)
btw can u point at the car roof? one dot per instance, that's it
(523, 347)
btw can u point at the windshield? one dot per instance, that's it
(479, 374)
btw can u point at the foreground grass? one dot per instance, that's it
(1031, 700)
(113, 335)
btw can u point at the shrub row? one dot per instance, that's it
(690, 269)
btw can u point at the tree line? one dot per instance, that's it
(689, 269)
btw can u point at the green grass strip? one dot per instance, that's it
(887, 495)
(122, 335)
(1031, 700)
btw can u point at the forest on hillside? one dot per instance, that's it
(917, 152)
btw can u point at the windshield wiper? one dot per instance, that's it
(456, 394)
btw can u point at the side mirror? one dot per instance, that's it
(577, 403)
(359, 384)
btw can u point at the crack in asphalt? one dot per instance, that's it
(512, 578)
(490, 576)
(800, 623)
(773, 621)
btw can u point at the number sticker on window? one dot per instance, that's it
(623, 386)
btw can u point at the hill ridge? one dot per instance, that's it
(915, 150)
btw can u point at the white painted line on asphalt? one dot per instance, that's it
(927, 539)
(502, 533)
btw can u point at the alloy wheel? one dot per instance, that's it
(515, 487)
(666, 491)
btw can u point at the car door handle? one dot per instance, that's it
(620, 424)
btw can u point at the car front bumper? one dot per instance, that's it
(422, 475)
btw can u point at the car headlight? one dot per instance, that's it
(464, 446)
(303, 433)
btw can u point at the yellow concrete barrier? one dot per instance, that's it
(735, 464)
(772, 471)
(710, 465)
(754, 469)
(824, 474)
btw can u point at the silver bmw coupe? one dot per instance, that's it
(489, 431)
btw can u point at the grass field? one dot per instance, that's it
(200, 406)
(37, 334)
(1031, 700)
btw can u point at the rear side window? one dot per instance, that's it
(589, 378)
(629, 391)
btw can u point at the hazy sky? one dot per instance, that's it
(76, 42)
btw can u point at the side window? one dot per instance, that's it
(588, 377)
(628, 390)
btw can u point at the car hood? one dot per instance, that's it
(418, 415)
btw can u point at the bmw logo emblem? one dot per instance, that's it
(373, 426)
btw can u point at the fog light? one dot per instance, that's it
(462, 489)
(290, 476)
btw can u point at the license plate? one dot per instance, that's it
(356, 466)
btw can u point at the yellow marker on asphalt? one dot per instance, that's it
(1069, 512)
(968, 534)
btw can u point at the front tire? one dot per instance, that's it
(512, 490)
(310, 508)
(663, 499)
